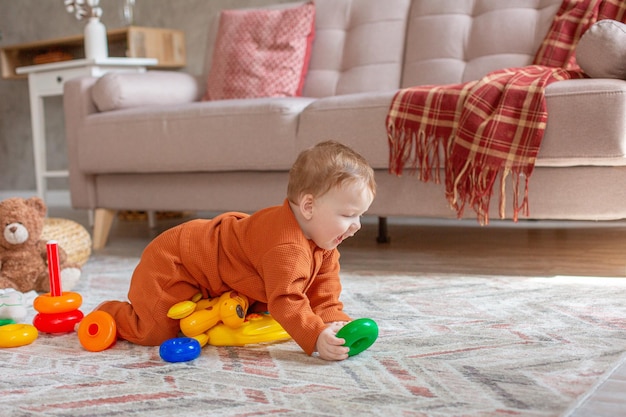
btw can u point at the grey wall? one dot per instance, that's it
(24, 21)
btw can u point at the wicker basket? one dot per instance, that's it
(71, 236)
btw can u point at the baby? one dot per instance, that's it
(284, 256)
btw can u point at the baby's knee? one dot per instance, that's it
(135, 327)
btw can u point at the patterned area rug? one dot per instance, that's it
(448, 346)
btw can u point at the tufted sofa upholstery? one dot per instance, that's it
(453, 41)
(356, 47)
(179, 153)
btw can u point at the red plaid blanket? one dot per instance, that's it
(491, 128)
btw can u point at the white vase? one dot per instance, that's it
(96, 46)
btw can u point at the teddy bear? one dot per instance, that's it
(23, 255)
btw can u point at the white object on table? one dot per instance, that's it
(47, 80)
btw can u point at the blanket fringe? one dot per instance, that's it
(418, 152)
(472, 184)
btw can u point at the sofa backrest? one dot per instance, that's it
(358, 46)
(454, 41)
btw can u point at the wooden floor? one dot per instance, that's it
(527, 248)
(459, 247)
(523, 249)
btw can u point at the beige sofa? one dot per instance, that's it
(180, 153)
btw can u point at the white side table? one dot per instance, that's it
(47, 80)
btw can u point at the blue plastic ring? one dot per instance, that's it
(180, 349)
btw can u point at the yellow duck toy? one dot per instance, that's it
(222, 321)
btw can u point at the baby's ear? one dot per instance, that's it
(306, 206)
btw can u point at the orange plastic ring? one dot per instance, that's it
(97, 331)
(67, 301)
(17, 334)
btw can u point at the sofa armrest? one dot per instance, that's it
(123, 90)
(586, 124)
(77, 106)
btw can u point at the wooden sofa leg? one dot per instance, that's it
(103, 219)
(383, 235)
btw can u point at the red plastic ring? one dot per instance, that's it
(57, 322)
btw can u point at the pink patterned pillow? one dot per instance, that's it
(261, 53)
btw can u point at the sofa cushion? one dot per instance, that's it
(122, 90)
(601, 52)
(586, 124)
(358, 120)
(450, 42)
(261, 53)
(359, 45)
(224, 135)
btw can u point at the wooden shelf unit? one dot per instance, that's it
(166, 45)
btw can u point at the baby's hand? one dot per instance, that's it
(328, 346)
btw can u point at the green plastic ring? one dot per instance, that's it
(359, 335)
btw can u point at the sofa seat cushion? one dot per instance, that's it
(358, 120)
(238, 135)
(586, 124)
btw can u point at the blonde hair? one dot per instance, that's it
(327, 165)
